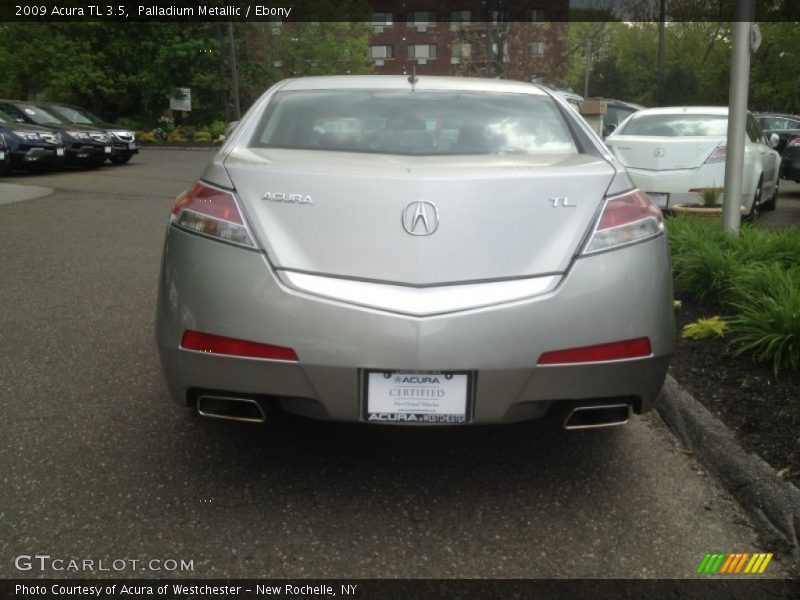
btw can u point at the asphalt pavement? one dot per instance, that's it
(96, 463)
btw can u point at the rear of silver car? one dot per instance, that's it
(445, 252)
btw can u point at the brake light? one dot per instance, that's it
(217, 344)
(627, 218)
(213, 212)
(718, 155)
(638, 348)
(794, 142)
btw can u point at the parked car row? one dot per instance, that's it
(39, 136)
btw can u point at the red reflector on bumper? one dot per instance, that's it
(217, 344)
(637, 348)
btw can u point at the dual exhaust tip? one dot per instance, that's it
(231, 408)
(247, 410)
(592, 417)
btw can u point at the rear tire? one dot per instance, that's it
(755, 210)
(770, 204)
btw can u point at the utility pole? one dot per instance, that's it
(234, 75)
(743, 14)
(588, 68)
(662, 17)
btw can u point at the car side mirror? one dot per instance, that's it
(229, 129)
(774, 140)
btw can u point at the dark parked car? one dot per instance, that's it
(5, 156)
(85, 145)
(790, 161)
(123, 141)
(787, 127)
(29, 146)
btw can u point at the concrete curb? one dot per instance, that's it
(772, 504)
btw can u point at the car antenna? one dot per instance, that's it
(412, 79)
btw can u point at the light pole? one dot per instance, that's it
(743, 13)
(234, 75)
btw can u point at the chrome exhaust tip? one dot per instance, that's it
(230, 408)
(590, 417)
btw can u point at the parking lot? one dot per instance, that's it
(99, 464)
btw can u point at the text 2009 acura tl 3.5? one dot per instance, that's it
(415, 250)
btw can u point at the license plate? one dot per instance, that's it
(132, 146)
(660, 200)
(417, 397)
(108, 149)
(59, 152)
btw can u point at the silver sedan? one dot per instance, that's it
(416, 251)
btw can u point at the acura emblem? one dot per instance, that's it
(420, 218)
(658, 153)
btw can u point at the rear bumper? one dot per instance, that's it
(676, 184)
(221, 289)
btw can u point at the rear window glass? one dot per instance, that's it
(677, 125)
(414, 123)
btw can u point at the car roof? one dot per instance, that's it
(401, 82)
(618, 103)
(780, 115)
(688, 110)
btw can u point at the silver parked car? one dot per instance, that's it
(423, 250)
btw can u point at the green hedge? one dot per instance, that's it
(753, 277)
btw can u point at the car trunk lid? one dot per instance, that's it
(342, 214)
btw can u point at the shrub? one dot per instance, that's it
(704, 328)
(217, 128)
(146, 137)
(176, 136)
(202, 136)
(767, 300)
(140, 123)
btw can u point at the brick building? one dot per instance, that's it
(523, 44)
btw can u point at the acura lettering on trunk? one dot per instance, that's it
(482, 305)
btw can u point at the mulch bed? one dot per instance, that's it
(761, 409)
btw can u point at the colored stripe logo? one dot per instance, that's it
(734, 564)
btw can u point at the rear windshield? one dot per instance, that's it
(677, 125)
(414, 123)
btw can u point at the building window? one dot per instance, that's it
(461, 50)
(380, 19)
(421, 18)
(495, 51)
(538, 15)
(381, 52)
(422, 51)
(538, 49)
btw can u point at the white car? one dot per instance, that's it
(675, 153)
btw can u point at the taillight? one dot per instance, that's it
(627, 218)
(626, 349)
(794, 142)
(213, 212)
(217, 344)
(718, 155)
